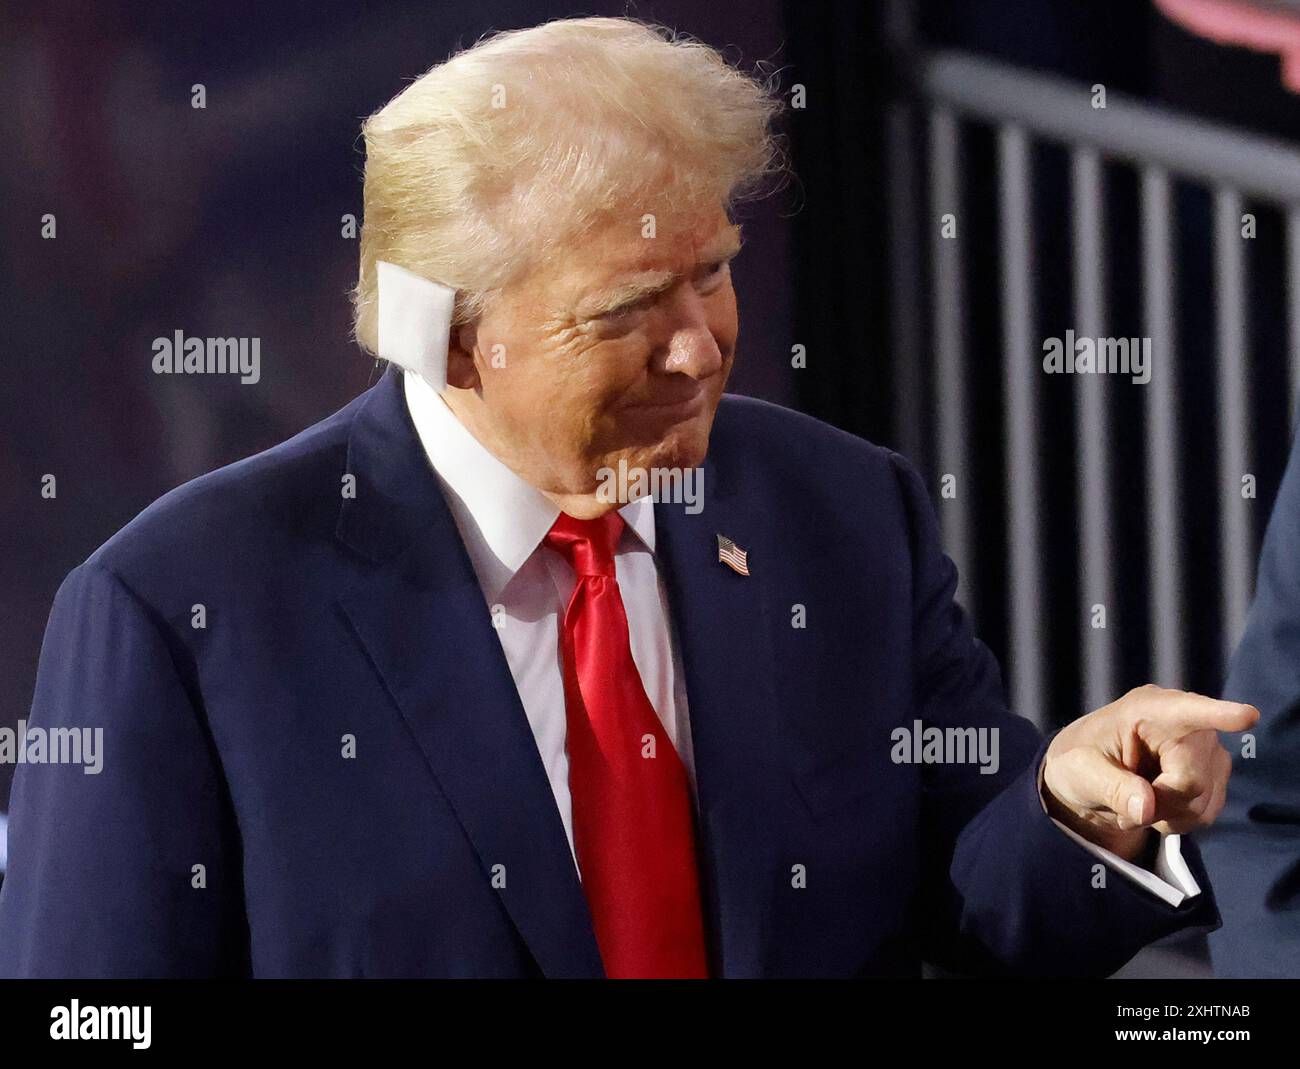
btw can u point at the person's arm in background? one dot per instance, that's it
(101, 878)
(1253, 852)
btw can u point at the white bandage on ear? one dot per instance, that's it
(415, 322)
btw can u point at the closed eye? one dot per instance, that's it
(713, 272)
(630, 307)
(707, 278)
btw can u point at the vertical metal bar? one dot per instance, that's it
(1021, 369)
(1236, 545)
(1164, 531)
(1293, 310)
(951, 437)
(905, 264)
(1092, 418)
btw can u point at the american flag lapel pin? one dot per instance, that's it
(732, 555)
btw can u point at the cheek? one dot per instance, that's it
(608, 368)
(566, 396)
(535, 375)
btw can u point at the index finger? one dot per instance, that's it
(1175, 713)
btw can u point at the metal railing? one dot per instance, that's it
(1025, 108)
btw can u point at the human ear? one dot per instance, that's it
(461, 370)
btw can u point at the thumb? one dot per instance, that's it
(1139, 800)
(1092, 781)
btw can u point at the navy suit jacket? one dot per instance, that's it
(437, 850)
(1254, 848)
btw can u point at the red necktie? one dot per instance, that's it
(632, 824)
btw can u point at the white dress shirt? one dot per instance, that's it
(503, 520)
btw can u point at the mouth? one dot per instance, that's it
(672, 406)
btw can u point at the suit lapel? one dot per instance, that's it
(724, 630)
(419, 613)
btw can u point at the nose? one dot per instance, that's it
(692, 349)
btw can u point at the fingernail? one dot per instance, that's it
(1135, 809)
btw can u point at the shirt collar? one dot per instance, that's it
(510, 516)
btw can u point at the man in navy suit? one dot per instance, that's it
(424, 692)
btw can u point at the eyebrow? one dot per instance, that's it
(650, 283)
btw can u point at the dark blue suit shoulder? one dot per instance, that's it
(792, 453)
(778, 430)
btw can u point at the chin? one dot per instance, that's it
(684, 446)
(688, 451)
(681, 445)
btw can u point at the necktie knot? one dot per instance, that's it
(588, 545)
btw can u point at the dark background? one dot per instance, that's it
(226, 222)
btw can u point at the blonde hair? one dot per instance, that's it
(481, 168)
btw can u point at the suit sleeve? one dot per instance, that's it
(1005, 890)
(131, 871)
(1253, 850)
